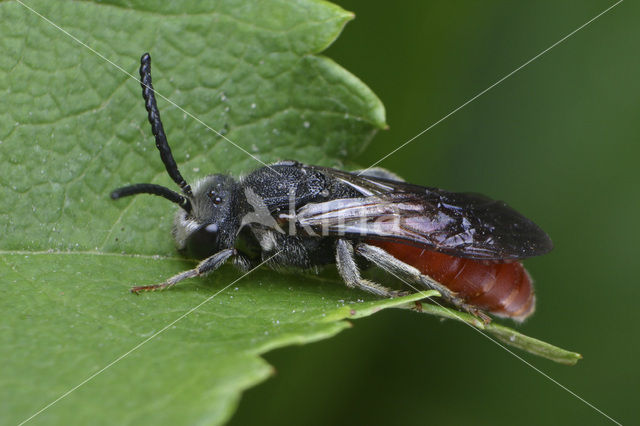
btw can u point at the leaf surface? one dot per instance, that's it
(73, 127)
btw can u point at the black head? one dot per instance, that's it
(201, 225)
(212, 223)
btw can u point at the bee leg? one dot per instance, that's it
(404, 271)
(401, 270)
(350, 273)
(208, 265)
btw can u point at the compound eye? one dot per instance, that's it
(204, 241)
(215, 197)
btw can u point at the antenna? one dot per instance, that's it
(156, 126)
(150, 188)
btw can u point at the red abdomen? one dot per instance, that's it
(503, 289)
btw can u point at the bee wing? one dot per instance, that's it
(460, 224)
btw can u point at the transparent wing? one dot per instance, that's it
(460, 224)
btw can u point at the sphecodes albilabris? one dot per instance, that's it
(466, 246)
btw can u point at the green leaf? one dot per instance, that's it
(504, 334)
(70, 315)
(73, 127)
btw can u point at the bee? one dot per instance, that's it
(464, 245)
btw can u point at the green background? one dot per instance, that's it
(554, 140)
(559, 141)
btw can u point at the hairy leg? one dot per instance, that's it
(406, 272)
(208, 265)
(350, 273)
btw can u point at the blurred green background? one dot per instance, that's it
(559, 141)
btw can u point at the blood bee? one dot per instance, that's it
(289, 214)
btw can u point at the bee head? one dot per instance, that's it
(211, 224)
